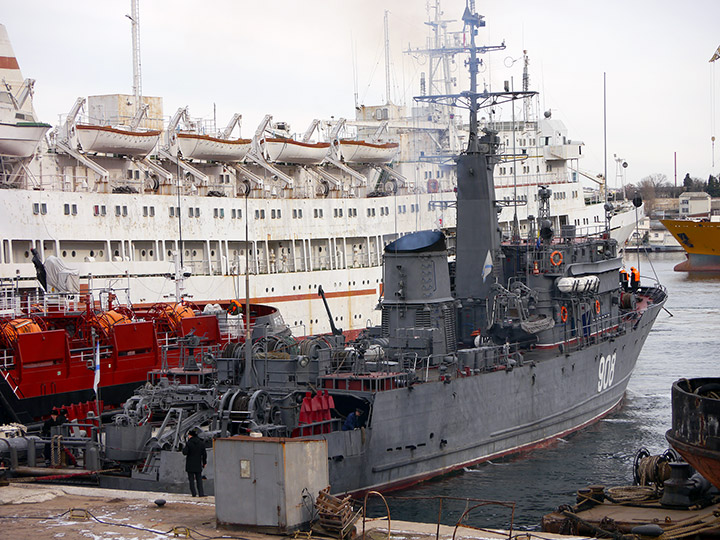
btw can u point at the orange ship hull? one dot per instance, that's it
(701, 242)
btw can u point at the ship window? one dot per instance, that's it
(118, 211)
(64, 253)
(262, 213)
(152, 211)
(36, 208)
(72, 254)
(145, 211)
(142, 253)
(272, 213)
(191, 212)
(67, 209)
(96, 210)
(239, 213)
(172, 211)
(150, 252)
(129, 174)
(103, 210)
(194, 253)
(232, 214)
(43, 209)
(279, 213)
(137, 175)
(124, 210)
(197, 212)
(222, 213)
(92, 253)
(169, 253)
(300, 212)
(295, 213)
(257, 214)
(215, 212)
(74, 209)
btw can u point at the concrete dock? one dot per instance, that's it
(68, 512)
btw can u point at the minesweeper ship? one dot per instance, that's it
(515, 343)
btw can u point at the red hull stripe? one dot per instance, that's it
(311, 296)
(8, 62)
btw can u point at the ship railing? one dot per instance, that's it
(7, 359)
(10, 305)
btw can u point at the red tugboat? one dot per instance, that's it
(50, 345)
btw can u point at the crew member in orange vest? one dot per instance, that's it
(624, 279)
(634, 279)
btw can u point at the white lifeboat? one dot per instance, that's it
(195, 146)
(116, 140)
(584, 284)
(20, 139)
(296, 152)
(366, 152)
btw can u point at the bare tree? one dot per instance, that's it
(650, 188)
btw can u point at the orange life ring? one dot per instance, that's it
(597, 306)
(433, 186)
(563, 313)
(556, 258)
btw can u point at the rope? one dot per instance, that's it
(691, 527)
(653, 470)
(632, 494)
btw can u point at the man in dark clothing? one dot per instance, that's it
(46, 432)
(195, 461)
(353, 420)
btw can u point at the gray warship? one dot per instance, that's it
(510, 345)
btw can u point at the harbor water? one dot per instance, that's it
(681, 345)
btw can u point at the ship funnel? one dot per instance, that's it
(418, 308)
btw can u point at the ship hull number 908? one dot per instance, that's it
(606, 371)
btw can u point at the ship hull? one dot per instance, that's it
(701, 242)
(695, 432)
(435, 428)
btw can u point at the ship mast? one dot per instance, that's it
(387, 59)
(137, 77)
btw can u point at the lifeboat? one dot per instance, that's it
(195, 146)
(295, 152)
(366, 152)
(116, 140)
(20, 139)
(585, 284)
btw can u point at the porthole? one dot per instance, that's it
(100, 253)
(64, 253)
(72, 254)
(212, 252)
(92, 253)
(151, 252)
(169, 253)
(142, 253)
(116, 254)
(27, 254)
(266, 289)
(194, 252)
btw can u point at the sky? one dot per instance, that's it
(300, 60)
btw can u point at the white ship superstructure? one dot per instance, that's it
(293, 212)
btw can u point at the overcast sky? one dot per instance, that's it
(295, 59)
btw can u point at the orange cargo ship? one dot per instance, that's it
(701, 242)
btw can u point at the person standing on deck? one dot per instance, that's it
(195, 461)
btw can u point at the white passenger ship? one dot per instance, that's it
(119, 192)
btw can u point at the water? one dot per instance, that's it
(539, 481)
